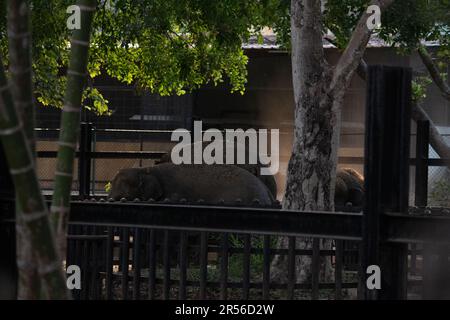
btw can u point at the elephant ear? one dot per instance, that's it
(150, 186)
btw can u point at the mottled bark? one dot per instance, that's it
(19, 37)
(318, 93)
(309, 175)
(70, 122)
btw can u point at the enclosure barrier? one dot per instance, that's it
(121, 246)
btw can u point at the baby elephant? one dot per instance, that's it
(213, 184)
(349, 188)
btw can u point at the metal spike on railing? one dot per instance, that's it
(151, 200)
(201, 201)
(238, 201)
(123, 200)
(136, 200)
(183, 200)
(110, 200)
(166, 200)
(102, 200)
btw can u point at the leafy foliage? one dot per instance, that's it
(404, 25)
(419, 87)
(440, 193)
(175, 46)
(166, 46)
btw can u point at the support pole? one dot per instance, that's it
(84, 160)
(386, 170)
(8, 266)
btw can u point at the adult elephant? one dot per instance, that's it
(349, 188)
(213, 184)
(255, 169)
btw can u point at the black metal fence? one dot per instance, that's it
(208, 258)
(168, 251)
(161, 250)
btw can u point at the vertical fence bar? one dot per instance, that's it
(246, 267)
(124, 261)
(109, 263)
(386, 171)
(85, 285)
(266, 267)
(92, 161)
(137, 264)
(361, 271)
(78, 257)
(152, 265)
(428, 271)
(8, 266)
(291, 269)
(339, 258)
(422, 142)
(84, 163)
(315, 268)
(166, 266)
(421, 190)
(183, 265)
(203, 263)
(413, 258)
(224, 268)
(94, 262)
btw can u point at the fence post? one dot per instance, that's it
(386, 170)
(84, 160)
(8, 266)
(435, 256)
(421, 184)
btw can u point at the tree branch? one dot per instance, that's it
(436, 140)
(354, 51)
(434, 72)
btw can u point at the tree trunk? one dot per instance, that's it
(19, 37)
(70, 122)
(28, 195)
(310, 169)
(318, 92)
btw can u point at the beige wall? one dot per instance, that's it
(268, 103)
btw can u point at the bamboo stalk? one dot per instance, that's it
(70, 122)
(28, 194)
(20, 65)
(20, 68)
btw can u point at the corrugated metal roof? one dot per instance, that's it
(270, 42)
